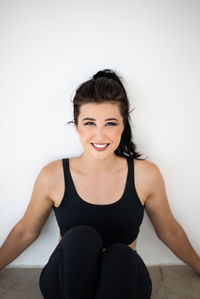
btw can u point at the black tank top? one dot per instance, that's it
(117, 222)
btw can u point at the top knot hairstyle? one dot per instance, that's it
(106, 86)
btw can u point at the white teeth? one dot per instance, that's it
(100, 146)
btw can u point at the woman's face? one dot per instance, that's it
(94, 127)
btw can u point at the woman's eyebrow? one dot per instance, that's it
(90, 118)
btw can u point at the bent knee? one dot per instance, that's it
(83, 233)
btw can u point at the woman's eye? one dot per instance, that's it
(113, 124)
(88, 123)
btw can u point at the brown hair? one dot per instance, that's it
(106, 86)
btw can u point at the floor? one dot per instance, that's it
(169, 282)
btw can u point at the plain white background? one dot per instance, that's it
(48, 48)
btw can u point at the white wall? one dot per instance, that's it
(48, 48)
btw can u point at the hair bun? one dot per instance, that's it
(106, 73)
(109, 74)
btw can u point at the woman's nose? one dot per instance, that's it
(100, 134)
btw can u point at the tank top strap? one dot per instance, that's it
(130, 173)
(65, 163)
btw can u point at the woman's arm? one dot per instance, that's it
(168, 230)
(182, 248)
(27, 230)
(16, 242)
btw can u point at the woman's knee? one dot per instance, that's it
(82, 235)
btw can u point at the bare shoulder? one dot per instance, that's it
(53, 172)
(151, 174)
(146, 166)
(146, 173)
(53, 167)
(156, 203)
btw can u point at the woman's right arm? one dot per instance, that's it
(27, 230)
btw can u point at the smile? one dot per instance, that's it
(100, 147)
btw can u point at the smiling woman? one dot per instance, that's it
(99, 199)
(102, 203)
(105, 90)
(101, 134)
(99, 193)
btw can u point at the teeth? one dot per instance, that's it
(100, 146)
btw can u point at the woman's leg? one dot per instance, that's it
(123, 274)
(73, 268)
(144, 289)
(49, 281)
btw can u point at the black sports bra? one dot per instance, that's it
(117, 222)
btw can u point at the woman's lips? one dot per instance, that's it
(100, 149)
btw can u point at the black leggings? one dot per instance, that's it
(79, 269)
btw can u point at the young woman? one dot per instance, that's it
(99, 200)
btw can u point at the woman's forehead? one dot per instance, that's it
(94, 108)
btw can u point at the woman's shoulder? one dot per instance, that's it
(55, 165)
(145, 166)
(53, 172)
(147, 173)
(52, 167)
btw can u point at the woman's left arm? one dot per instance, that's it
(182, 248)
(168, 230)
